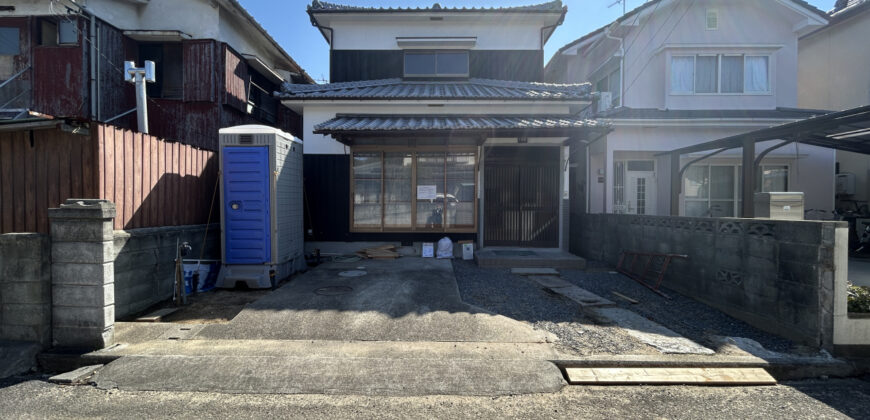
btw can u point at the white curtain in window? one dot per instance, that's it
(706, 72)
(682, 74)
(732, 74)
(757, 79)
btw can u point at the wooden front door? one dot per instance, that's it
(521, 196)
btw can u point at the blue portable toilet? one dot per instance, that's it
(261, 219)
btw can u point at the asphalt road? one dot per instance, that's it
(815, 399)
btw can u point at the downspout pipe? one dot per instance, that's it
(621, 53)
(94, 57)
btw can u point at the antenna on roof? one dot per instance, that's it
(617, 2)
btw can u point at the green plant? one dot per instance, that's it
(859, 299)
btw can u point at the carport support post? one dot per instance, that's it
(83, 274)
(676, 184)
(748, 178)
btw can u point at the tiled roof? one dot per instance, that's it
(664, 114)
(386, 123)
(471, 89)
(318, 6)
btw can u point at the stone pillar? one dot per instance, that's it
(83, 273)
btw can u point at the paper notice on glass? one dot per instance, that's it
(426, 192)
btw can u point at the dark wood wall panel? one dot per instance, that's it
(201, 66)
(236, 80)
(116, 95)
(353, 65)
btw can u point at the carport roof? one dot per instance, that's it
(847, 130)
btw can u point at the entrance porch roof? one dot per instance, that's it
(461, 125)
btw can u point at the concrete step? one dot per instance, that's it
(528, 258)
(346, 368)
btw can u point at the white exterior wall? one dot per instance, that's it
(315, 114)
(811, 169)
(512, 31)
(833, 75)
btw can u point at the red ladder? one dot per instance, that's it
(646, 266)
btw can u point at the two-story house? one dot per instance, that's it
(832, 74)
(216, 66)
(436, 124)
(674, 73)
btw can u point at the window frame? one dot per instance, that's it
(719, 92)
(17, 46)
(616, 97)
(435, 74)
(382, 150)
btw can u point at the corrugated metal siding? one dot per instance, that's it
(154, 182)
(59, 79)
(41, 169)
(201, 64)
(235, 80)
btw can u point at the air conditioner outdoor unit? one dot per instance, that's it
(261, 219)
(605, 100)
(845, 183)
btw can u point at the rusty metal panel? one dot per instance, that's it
(59, 80)
(236, 79)
(200, 70)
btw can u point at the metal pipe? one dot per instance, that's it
(14, 76)
(142, 102)
(92, 33)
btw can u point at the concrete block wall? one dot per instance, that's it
(775, 275)
(25, 287)
(145, 263)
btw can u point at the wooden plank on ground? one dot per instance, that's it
(157, 315)
(620, 295)
(669, 376)
(533, 271)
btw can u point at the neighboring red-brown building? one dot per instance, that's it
(216, 67)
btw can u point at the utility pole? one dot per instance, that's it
(139, 76)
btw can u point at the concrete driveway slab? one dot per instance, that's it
(408, 299)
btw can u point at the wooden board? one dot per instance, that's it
(157, 315)
(669, 376)
(582, 296)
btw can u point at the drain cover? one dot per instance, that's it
(333, 290)
(352, 273)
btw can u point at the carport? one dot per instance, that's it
(847, 130)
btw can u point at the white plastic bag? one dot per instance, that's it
(445, 248)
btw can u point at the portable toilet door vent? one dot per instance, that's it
(261, 218)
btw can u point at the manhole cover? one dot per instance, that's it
(333, 290)
(352, 273)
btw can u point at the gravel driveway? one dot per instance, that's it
(498, 291)
(686, 316)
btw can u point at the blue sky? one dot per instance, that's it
(288, 23)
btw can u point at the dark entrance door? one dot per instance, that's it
(521, 197)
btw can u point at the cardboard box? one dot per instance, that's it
(428, 250)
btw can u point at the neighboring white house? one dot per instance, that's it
(676, 73)
(436, 122)
(833, 74)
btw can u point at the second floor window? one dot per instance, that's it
(720, 73)
(610, 83)
(436, 64)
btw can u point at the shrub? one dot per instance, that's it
(859, 299)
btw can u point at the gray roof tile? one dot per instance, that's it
(382, 123)
(471, 89)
